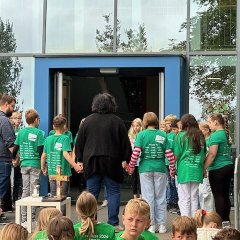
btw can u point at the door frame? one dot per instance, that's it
(175, 84)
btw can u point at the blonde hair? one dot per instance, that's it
(170, 118)
(86, 207)
(184, 225)
(44, 217)
(131, 133)
(31, 115)
(203, 217)
(60, 228)
(138, 206)
(13, 231)
(15, 114)
(150, 119)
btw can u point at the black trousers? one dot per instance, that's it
(136, 181)
(220, 180)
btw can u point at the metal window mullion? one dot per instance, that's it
(44, 26)
(115, 26)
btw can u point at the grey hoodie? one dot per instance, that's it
(7, 137)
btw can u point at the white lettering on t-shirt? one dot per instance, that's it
(32, 137)
(159, 139)
(58, 146)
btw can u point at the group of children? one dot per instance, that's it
(52, 225)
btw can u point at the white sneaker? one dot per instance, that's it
(152, 229)
(162, 228)
(105, 203)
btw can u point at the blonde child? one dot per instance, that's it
(29, 143)
(150, 145)
(57, 150)
(13, 231)
(44, 217)
(16, 120)
(136, 219)
(208, 224)
(206, 199)
(162, 126)
(60, 228)
(184, 228)
(135, 128)
(168, 121)
(89, 228)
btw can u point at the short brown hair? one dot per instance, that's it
(31, 115)
(227, 234)
(59, 121)
(60, 228)
(184, 225)
(6, 99)
(150, 119)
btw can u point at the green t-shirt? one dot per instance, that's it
(54, 147)
(119, 237)
(189, 165)
(28, 140)
(67, 133)
(153, 143)
(101, 231)
(41, 235)
(170, 137)
(149, 236)
(223, 157)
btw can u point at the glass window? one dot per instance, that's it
(213, 87)
(17, 79)
(21, 26)
(79, 26)
(151, 26)
(213, 25)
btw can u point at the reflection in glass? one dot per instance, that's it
(17, 79)
(151, 26)
(25, 21)
(213, 25)
(213, 87)
(72, 25)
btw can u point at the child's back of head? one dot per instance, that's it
(31, 115)
(86, 207)
(227, 234)
(206, 219)
(59, 122)
(14, 231)
(184, 226)
(44, 217)
(60, 228)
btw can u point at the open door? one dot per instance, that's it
(62, 95)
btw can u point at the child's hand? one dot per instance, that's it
(79, 167)
(15, 162)
(124, 164)
(130, 170)
(44, 171)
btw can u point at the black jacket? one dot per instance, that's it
(102, 144)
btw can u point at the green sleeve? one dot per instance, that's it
(138, 140)
(178, 146)
(66, 145)
(40, 138)
(215, 139)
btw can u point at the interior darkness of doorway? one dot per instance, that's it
(136, 91)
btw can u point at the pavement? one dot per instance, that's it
(126, 194)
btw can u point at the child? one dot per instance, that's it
(184, 228)
(88, 228)
(152, 143)
(16, 120)
(227, 234)
(135, 128)
(56, 150)
(44, 217)
(206, 199)
(163, 126)
(208, 224)
(29, 142)
(13, 231)
(136, 219)
(60, 228)
(189, 151)
(219, 164)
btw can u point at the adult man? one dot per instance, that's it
(7, 138)
(102, 145)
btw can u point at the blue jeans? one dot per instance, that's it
(5, 172)
(113, 195)
(172, 195)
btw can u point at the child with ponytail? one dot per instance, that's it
(208, 224)
(219, 164)
(89, 228)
